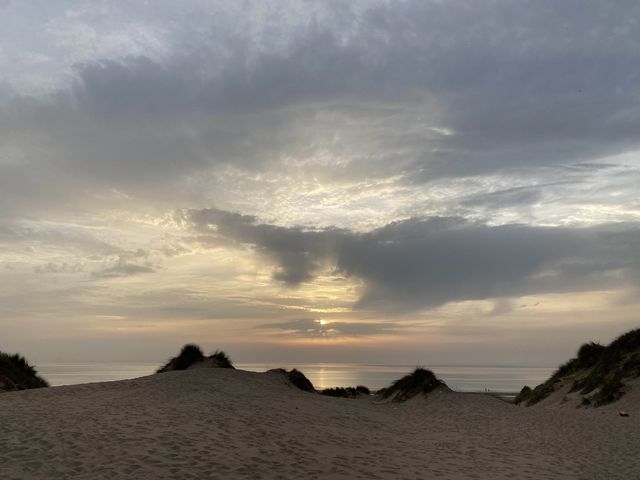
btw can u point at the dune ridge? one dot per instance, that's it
(598, 375)
(225, 423)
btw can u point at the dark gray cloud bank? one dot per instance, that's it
(419, 89)
(427, 262)
(519, 83)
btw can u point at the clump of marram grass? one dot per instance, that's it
(420, 381)
(222, 359)
(346, 392)
(610, 391)
(523, 396)
(632, 365)
(597, 370)
(297, 378)
(191, 354)
(542, 391)
(17, 374)
(614, 363)
(589, 354)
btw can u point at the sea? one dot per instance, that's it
(497, 379)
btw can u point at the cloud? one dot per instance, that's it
(357, 89)
(427, 262)
(549, 100)
(298, 252)
(135, 86)
(123, 269)
(509, 197)
(51, 267)
(51, 234)
(127, 264)
(314, 328)
(502, 306)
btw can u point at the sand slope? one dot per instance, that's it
(209, 424)
(563, 397)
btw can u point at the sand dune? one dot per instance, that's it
(218, 423)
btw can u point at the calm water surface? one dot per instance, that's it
(322, 375)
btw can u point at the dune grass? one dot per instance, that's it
(523, 396)
(346, 392)
(192, 354)
(420, 381)
(222, 358)
(297, 378)
(601, 371)
(18, 373)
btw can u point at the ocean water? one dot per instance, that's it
(322, 375)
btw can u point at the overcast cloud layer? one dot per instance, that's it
(402, 170)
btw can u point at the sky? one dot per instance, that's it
(423, 182)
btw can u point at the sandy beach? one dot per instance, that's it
(223, 423)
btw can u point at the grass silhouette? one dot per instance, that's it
(17, 374)
(420, 381)
(222, 358)
(600, 371)
(346, 392)
(192, 354)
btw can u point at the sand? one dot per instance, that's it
(227, 424)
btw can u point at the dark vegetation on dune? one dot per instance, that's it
(17, 374)
(297, 379)
(420, 381)
(222, 358)
(191, 355)
(346, 392)
(598, 372)
(524, 394)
